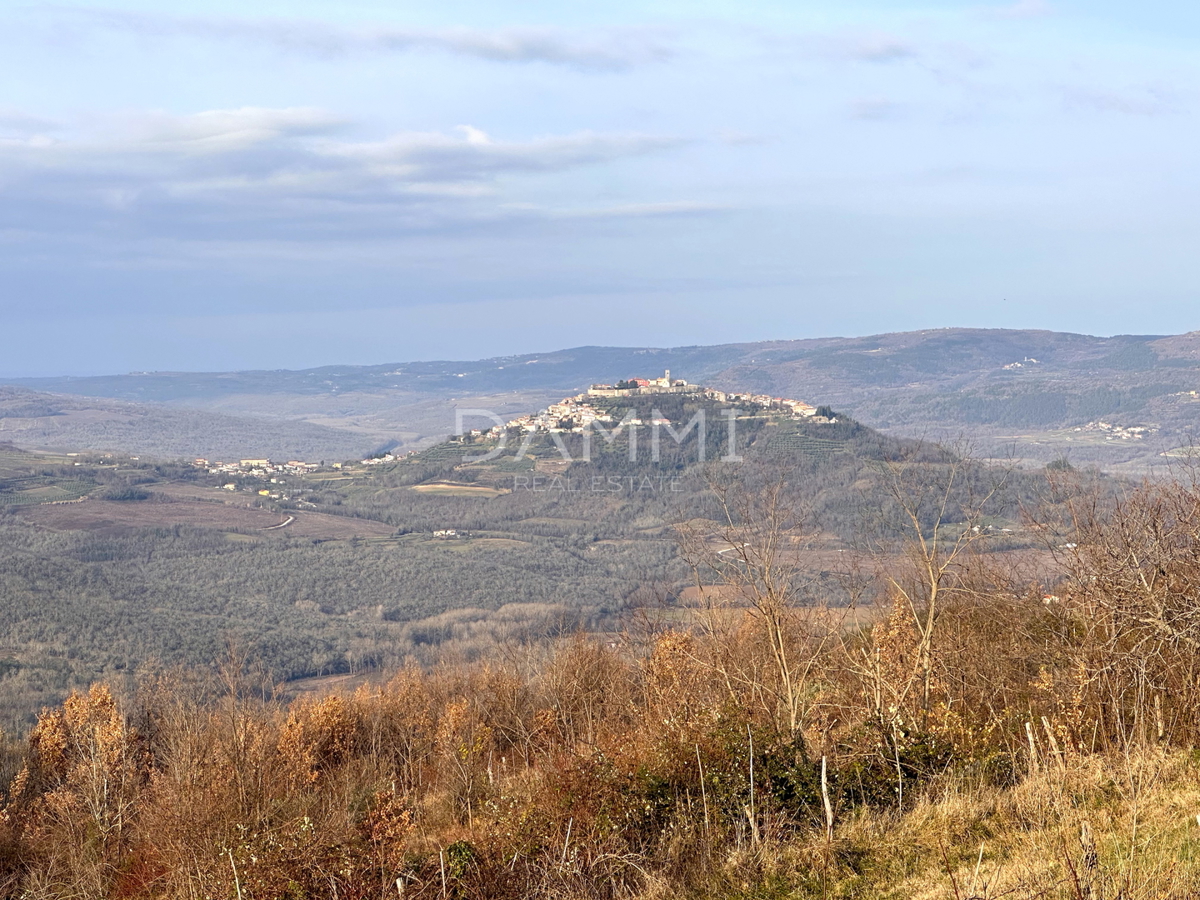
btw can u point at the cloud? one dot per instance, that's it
(880, 48)
(223, 130)
(852, 46)
(15, 121)
(281, 174)
(600, 49)
(474, 155)
(642, 211)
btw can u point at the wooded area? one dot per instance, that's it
(88, 601)
(982, 736)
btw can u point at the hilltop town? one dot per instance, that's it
(574, 414)
(571, 414)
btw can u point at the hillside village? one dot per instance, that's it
(257, 468)
(571, 414)
(574, 414)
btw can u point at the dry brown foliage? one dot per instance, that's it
(965, 749)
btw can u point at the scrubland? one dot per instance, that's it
(985, 737)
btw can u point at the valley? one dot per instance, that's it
(592, 584)
(356, 566)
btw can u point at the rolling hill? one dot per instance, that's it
(1037, 394)
(65, 422)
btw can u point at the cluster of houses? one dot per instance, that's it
(1113, 432)
(1027, 361)
(569, 414)
(261, 469)
(576, 413)
(796, 408)
(667, 385)
(257, 468)
(386, 458)
(634, 386)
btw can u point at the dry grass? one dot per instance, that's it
(1013, 746)
(965, 840)
(542, 768)
(457, 490)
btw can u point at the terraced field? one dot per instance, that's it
(798, 443)
(22, 484)
(35, 490)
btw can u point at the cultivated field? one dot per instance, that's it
(458, 490)
(197, 507)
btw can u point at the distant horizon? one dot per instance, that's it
(9, 378)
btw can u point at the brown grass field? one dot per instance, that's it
(458, 490)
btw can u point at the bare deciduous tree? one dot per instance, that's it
(752, 561)
(939, 501)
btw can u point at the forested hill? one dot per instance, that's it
(1022, 387)
(884, 361)
(107, 563)
(63, 422)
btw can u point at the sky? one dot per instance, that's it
(217, 185)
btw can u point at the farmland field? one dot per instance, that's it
(163, 511)
(458, 490)
(34, 491)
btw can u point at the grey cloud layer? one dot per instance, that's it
(279, 173)
(607, 49)
(17, 122)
